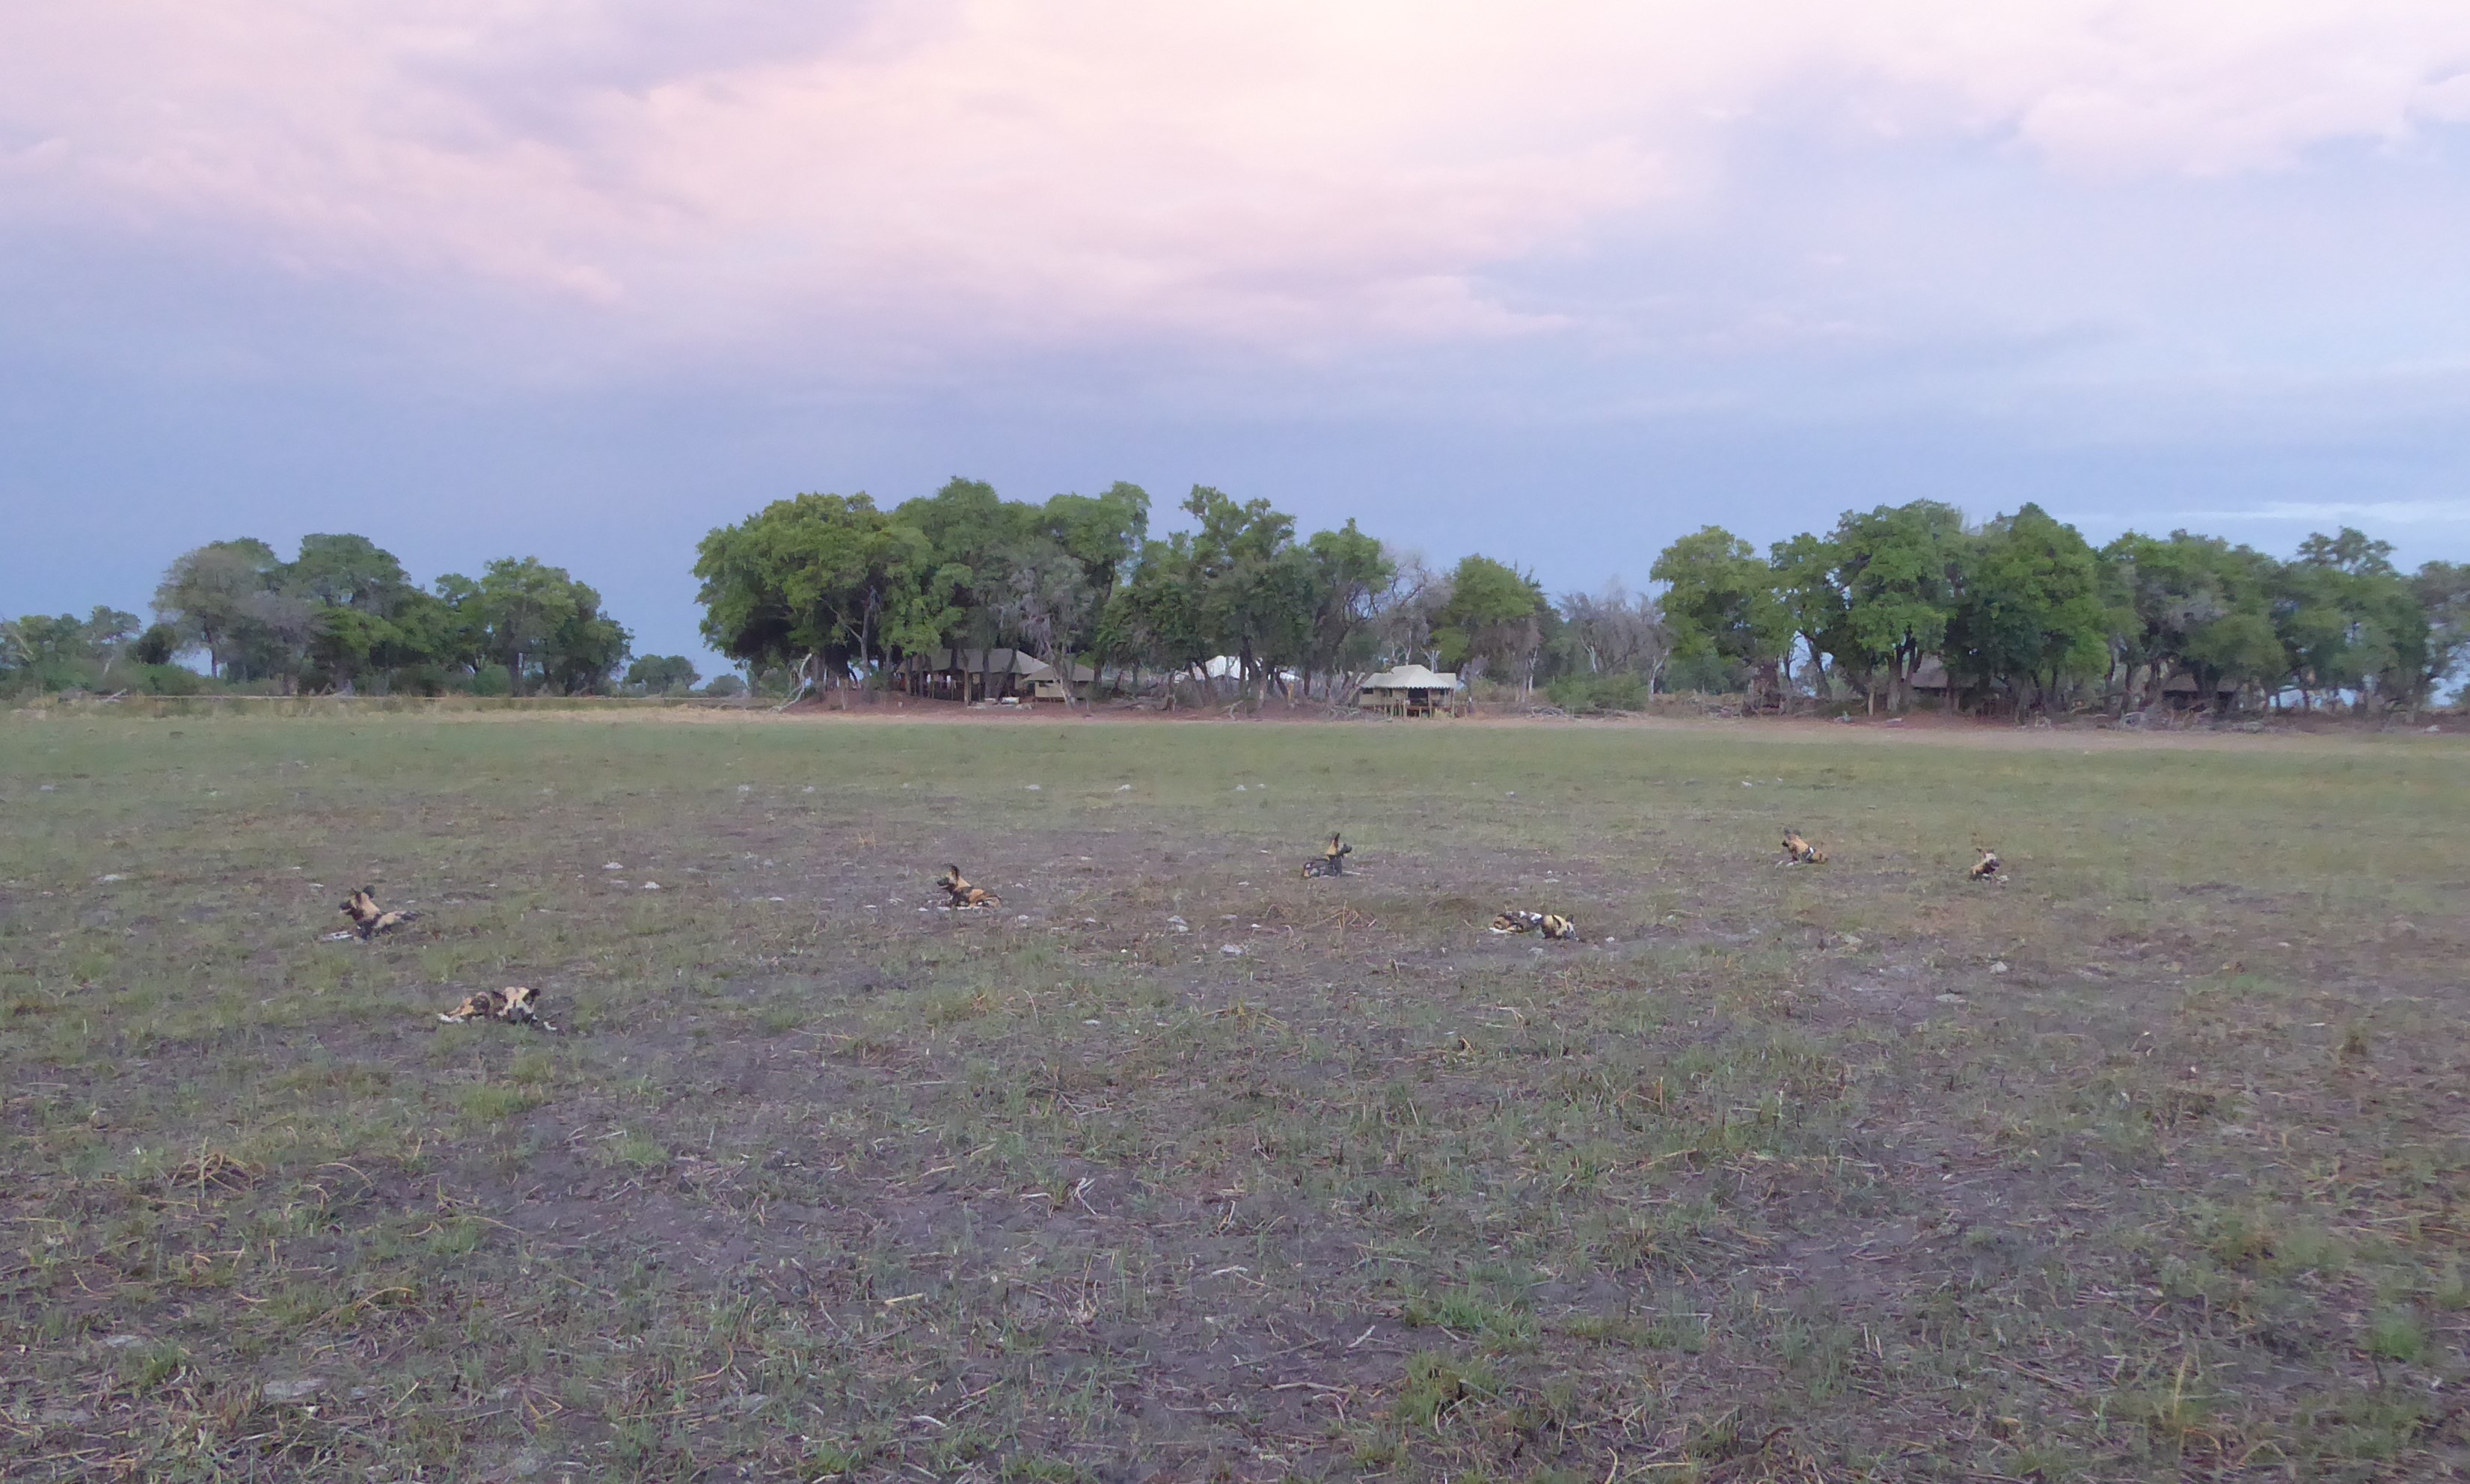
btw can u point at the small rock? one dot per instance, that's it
(1998, 966)
(1231, 951)
(1950, 999)
(1091, 1022)
(112, 877)
(810, 788)
(1179, 924)
(45, 788)
(301, 1390)
(1239, 788)
(1035, 788)
(651, 886)
(614, 866)
(1123, 788)
(122, 1342)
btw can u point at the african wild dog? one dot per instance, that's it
(963, 894)
(1551, 924)
(1332, 862)
(517, 1006)
(368, 920)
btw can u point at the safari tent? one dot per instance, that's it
(1408, 690)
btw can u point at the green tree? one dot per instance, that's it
(2030, 613)
(347, 571)
(534, 622)
(2192, 602)
(1720, 607)
(215, 596)
(1494, 616)
(2348, 623)
(1900, 568)
(822, 582)
(661, 675)
(2443, 593)
(1251, 595)
(1346, 573)
(1808, 586)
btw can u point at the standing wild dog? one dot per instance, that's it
(1332, 862)
(964, 895)
(368, 920)
(1551, 924)
(1798, 851)
(516, 1006)
(1986, 868)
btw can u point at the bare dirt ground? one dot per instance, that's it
(2149, 1164)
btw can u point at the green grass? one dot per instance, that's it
(2146, 1165)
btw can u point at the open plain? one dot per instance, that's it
(2151, 1162)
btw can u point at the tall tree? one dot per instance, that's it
(214, 597)
(1495, 616)
(2030, 613)
(2443, 593)
(1720, 606)
(1809, 584)
(1250, 591)
(822, 583)
(1348, 573)
(2195, 602)
(1900, 568)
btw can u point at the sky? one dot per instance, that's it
(1553, 282)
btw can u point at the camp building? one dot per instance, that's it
(1408, 690)
(983, 675)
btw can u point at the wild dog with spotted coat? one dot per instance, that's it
(1332, 862)
(1551, 924)
(368, 920)
(516, 1006)
(964, 896)
(1798, 851)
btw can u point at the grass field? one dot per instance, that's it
(2149, 1164)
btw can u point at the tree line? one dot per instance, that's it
(341, 615)
(2016, 612)
(831, 591)
(2021, 613)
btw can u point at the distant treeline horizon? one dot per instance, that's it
(822, 591)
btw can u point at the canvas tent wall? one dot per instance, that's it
(969, 674)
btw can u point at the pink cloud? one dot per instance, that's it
(1283, 175)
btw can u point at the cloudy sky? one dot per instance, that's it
(1557, 282)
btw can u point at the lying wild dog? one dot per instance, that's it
(518, 1005)
(1332, 862)
(1551, 924)
(1798, 851)
(964, 895)
(368, 920)
(1985, 868)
